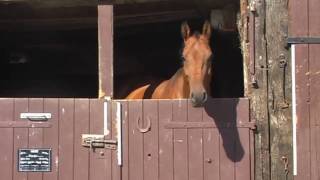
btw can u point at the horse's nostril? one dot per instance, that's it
(192, 95)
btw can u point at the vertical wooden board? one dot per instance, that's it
(298, 21)
(81, 126)
(100, 159)
(227, 154)
(35, 134)
(20, 136)
(66, 137)
(318, 150)
(165, 141)
(303, 119)
(135, 141)
(211, 150)
(314, 174)
(116, 171)
(125, 140)
(242, 156)
(51, 137)
(314, 14)
(314, 54)
(6, 139)
(195, 144)
(105, 33)
(180, 138)
(150, 140)
(241, 110)
(314, 65)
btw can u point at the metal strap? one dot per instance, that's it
(303, 40)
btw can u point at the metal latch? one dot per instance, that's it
(98, 141)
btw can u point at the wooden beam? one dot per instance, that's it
(105, 36)
(279, 89)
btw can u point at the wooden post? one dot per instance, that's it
(254, 48)
(267, 84)
(105, 35)
(279, 89)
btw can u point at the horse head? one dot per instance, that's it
(197, 62)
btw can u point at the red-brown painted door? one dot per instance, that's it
(169, 139)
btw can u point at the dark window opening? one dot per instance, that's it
(49, 63)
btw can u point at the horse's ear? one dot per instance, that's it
(185, 30)
(206, 29)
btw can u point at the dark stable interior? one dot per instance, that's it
(151, 53)
(65, 63)
(49, 64)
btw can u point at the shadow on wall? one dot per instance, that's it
(226, 113)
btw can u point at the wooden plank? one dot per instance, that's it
(135, 142)
(314, 68)
(195, 144)
(242, 142)
(125, 139)
(227, 154)
(314, 14)
(165, 141)
(20, 136)
(199, 125)
(6, 138)
(314, 64)
(105, 35)
(242, 155)
(24, 124)
(150, 140)
(66, 137)
(259, 96)
(81, 126)
(51, 137)
(100, 159)
(314, 174)
(116, 170)
(180, 138)
(318, 150)
(298, 22)
(279, 88)
(35, 134)
(211, 150)
(303, 119)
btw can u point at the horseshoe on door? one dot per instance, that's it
(147, 128)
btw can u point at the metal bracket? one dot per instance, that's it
(98, 141)
(35, 116)
(303, 40)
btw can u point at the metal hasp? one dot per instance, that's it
(98, 141)
(94, 141)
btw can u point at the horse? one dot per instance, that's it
(192, 80)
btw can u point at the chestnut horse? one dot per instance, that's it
(193, 79)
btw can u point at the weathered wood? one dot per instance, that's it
(279, 88)
(258, 93)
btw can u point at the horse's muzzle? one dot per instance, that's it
(198, 99)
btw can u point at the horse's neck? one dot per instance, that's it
(180, 85)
